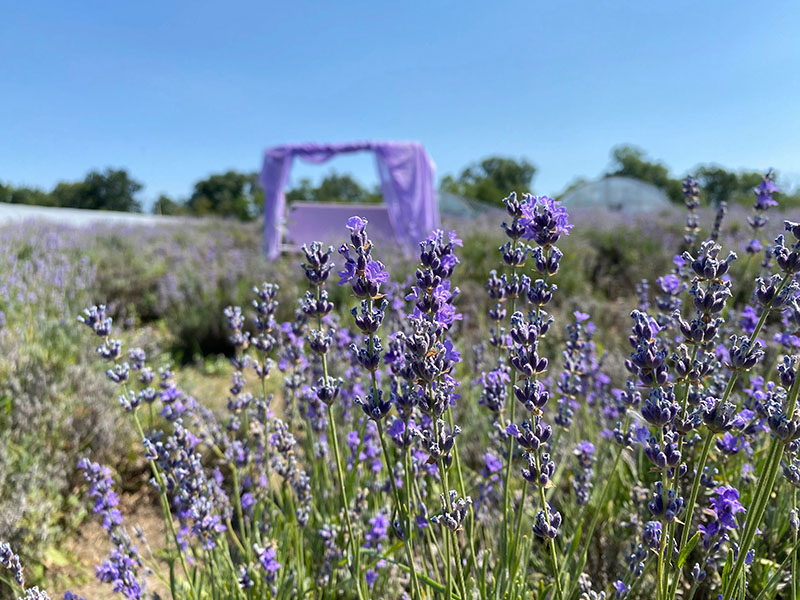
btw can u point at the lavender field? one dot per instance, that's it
(564, 407)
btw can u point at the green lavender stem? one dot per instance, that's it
(354, 566)
(793, 554)
(401, 509)
(551, 543)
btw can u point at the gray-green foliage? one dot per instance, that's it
(52, 412)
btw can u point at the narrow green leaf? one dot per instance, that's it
(543, 589)
(687, 549)
(726, 571)
(576, 539)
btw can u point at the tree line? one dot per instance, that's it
(238, 194)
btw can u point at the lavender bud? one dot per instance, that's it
(651, 537)
(320, 341)
(541, 293)
(532, 394)
(119, 374)
(547, 523)
(707, 266)
(665, 505)
(375, 407)
(328, 391)
(660, 407)
(97, 320)
(743, 354)
(318, 263)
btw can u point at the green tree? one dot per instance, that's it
(230, 194)
(167, 206)
(491, 179)
(304, 191)
(719, 184)
(69, 195)
(343, 188)
(334, 188)
(30, 196)
(113, 189)
(629, 161)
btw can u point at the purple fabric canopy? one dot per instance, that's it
(407, 184)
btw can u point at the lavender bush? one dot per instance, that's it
(415, 448)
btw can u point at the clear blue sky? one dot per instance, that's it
(174, 91)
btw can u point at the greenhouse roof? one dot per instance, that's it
(621, 194)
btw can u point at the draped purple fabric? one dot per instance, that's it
(407, 183)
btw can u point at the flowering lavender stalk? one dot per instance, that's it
(501, 290)
(431, 358)
(266, 304)
(758, 220)
(709, 294)
(725, 506)
(317, 270)
(744, 353)
(97, 319)
(9, 560)
(122, 567)
(584, 472)
(368, 317)
(691, 196)
(543, 221)
(648, 363)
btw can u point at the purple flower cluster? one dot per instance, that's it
(758, 220)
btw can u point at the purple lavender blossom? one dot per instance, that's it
(375, 272)
(764, 191)
(725, 506)
(347, 274)
(10, 561)
(620, 589)
(267, 558)
(101, 491)
(122, 567)
(356, 224)
(544, 219)
(651, 537)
